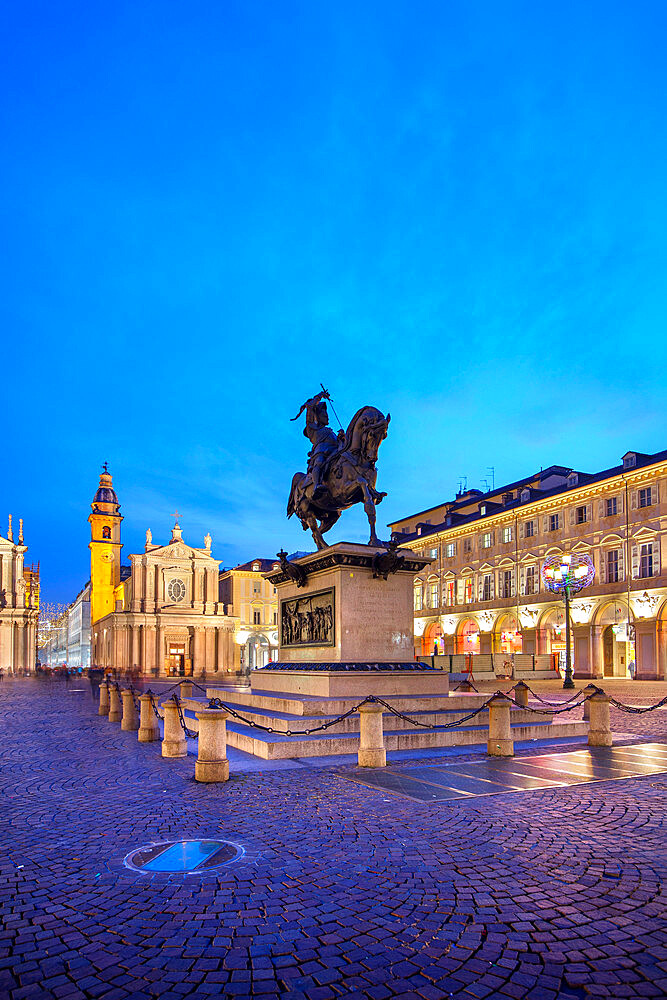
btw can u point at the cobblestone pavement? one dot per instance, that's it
(342, 891)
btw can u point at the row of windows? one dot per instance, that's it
(257, 617)
(582, 514)
(645, 564)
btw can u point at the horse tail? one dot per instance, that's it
(291, 504)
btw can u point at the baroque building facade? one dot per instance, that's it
(252, 600)
(161, 614)
(483, 594)
(19, 604)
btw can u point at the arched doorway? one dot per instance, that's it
(433, 640)
(508, 636)
(467, 639)
(257, 651)
(618, 648)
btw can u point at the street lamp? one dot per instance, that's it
(567, 575)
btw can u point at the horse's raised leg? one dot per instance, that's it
(317, 534)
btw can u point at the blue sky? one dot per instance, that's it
(454, 211)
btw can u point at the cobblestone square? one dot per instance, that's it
(342, 889)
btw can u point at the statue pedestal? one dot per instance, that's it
(346, 630)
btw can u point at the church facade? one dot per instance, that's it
(19, 605)
(161, 615)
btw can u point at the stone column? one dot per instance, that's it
(149, 728)
(661, 636)
(160, 650)
(646, 650)
(134, 654)
(198, 665)
(173, 741)
(130, 721)
(115, 709)
(212, 763)
(500, 742)
(597, 650)
(371, 743)
(581, 650)
(599, 733)
(541, 641)
(529, 640)
(209, 644)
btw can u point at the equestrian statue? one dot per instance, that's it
(341, 468)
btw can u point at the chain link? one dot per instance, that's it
(153, 705)
(636, 709)
(188, 732)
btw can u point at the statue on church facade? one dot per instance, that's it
(341, 468)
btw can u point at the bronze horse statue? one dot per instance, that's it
(341, 471)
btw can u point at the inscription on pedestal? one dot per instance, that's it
(308, 620)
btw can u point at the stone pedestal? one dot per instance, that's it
(104, 699)
(130, 722)
(521, 694)
(344, 629)
(115, 708)
(599, 733)
(173, 740)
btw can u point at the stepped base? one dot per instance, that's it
(377, 679)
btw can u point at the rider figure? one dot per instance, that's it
(322, 438)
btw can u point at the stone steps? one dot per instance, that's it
(272, 746)
(308, 705)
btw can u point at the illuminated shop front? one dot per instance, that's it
(508, 636)
(468, 638)
(433, 641)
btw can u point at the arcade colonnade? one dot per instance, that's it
(602, 643)
(155, 647)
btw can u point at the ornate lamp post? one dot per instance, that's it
(567, 575)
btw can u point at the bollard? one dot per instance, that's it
(521, 694)
(115, 710)
(599, 730)
(173, 741)
(212, 763)
(130, 722)
(104, 699)
(371, 743)
(464, 686)
(500, 742)
(588, 690)
(185, 690)
(149, 728)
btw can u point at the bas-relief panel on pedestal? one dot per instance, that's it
(308, 620)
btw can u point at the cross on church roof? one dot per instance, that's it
(176, 515)
(105, 468)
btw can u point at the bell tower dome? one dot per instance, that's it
(105, 546)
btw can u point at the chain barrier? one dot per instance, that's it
(426, 725)
(134, 698)
(636, 709)
(470, 683)
(154, 706)
(188, 732)
(565, 701)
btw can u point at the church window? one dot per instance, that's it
(176, 591)
(106, 531)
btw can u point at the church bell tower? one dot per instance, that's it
(105, 546)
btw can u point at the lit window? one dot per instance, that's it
(255, 567)
(486, 540)
(482, 509)
(505, 583)
(531, 580)
(467, 591)
(450, 593)
(433, 553)
(419, 602)
(529, 529)
(451, 549)
(507, 535)
(611, 506)
(432, 595)
(486, 587)
(554, 522)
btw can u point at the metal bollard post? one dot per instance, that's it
(115, 709)
(212, 763)
(590, 689)
(149, 729)
(500, 742)
(371, 742)
(185, 690)
(521, 694)
(130, 722)
(104, 699)
(173, 741)
(599, 731)
(464, 686)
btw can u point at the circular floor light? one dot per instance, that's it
(182, 857)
